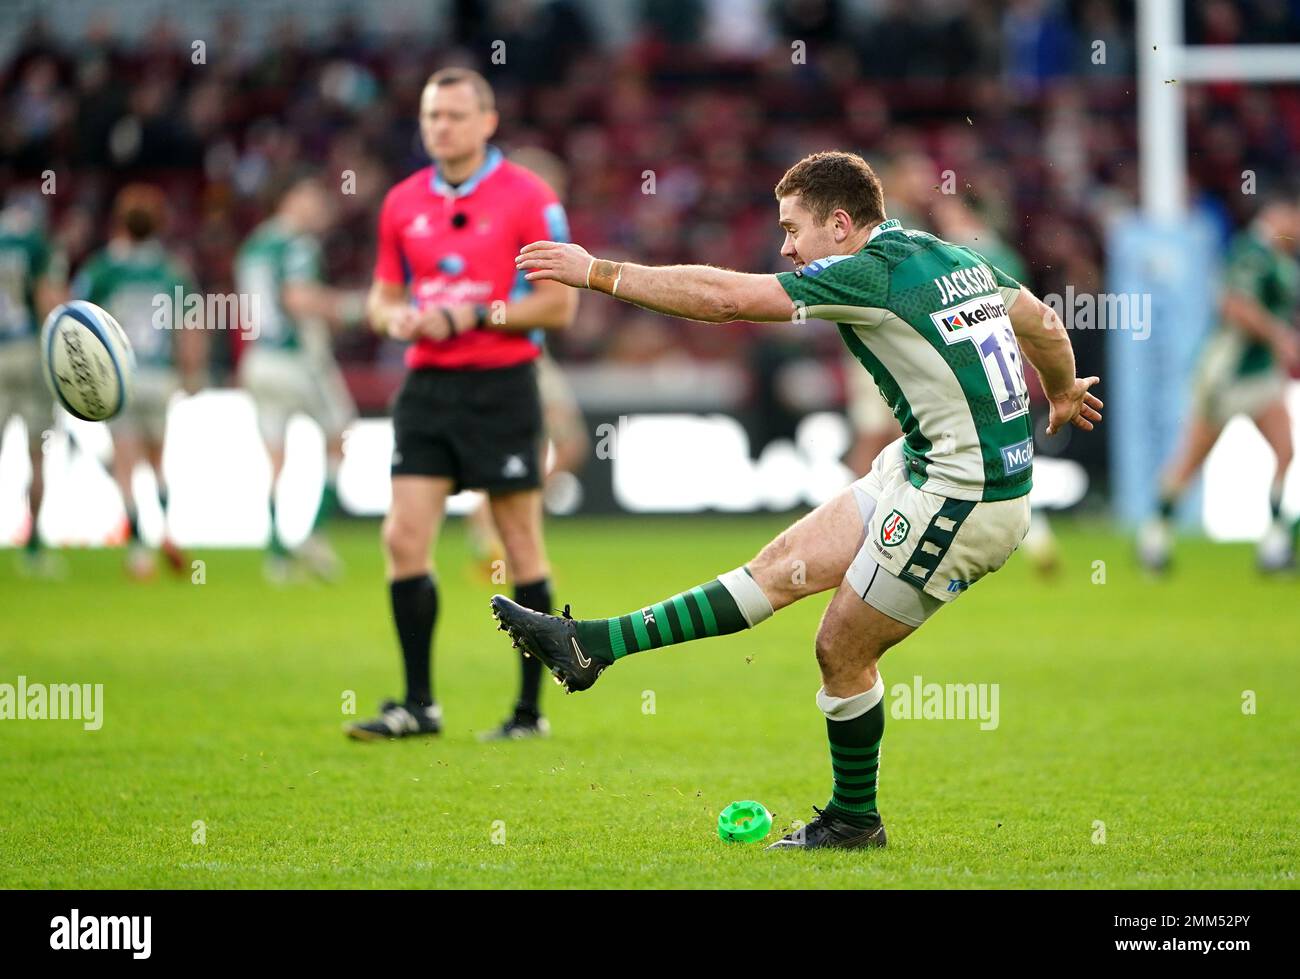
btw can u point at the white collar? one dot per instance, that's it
(893, 224)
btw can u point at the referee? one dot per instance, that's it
(468, 415)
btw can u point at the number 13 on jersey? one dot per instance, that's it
(1001, 356)
(984, 323)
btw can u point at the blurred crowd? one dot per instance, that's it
(991, 118)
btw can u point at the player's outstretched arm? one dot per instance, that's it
(1046, 345)
(697, 292)
(1250, 316)
(338, 308)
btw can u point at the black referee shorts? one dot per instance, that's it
(480, 428)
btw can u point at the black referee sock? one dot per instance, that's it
(536, 596)
(415, 609)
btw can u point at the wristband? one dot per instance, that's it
(480, 316)
(603, 276)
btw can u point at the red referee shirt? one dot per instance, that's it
(424, 242)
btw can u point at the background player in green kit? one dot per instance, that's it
(942, 333)
(1242, 371)
(290, 367)
(32, 280)
(128, 277)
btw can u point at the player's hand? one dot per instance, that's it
(404, 324)
(560, 262)
(1075, 407)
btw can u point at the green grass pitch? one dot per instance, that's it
(1120, 713)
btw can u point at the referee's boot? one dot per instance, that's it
(397, 720)
(521, 725)
(552, 639)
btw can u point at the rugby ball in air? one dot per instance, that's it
(87, 360)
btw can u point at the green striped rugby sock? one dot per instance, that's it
(855, 726)
(730, 603)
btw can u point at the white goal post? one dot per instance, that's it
(1168, 252)
(1165, 66)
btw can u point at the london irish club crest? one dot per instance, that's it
(893, 531)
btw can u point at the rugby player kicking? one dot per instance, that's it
(942, 333)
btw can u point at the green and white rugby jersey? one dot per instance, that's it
(24, 259)
(929, 320)
(271, 258)
(134, 281)
(1270, 277)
